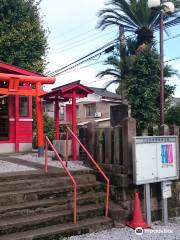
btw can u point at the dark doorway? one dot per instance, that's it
(4, 117)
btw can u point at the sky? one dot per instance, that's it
(73, 33)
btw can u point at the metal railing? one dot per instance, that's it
(94, 162)
(48, 143)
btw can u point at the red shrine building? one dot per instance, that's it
(17, 87)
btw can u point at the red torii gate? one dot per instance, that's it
(14, 87)
(65, 93)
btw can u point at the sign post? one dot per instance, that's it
(156, 159)
(166, 193)
(148, 203)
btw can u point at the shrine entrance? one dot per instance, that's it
(68, 92)
(17, 87)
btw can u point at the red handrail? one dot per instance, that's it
(97, 166)
(48, 142)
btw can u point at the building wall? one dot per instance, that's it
(22, 133)
(102, 107)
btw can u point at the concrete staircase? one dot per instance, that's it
(36, 206)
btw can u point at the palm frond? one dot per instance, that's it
(111, 82)
(110, 71)
(135, 16)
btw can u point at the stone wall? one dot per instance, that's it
(112, 148)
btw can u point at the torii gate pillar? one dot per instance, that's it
(74, 127)
(39, 119)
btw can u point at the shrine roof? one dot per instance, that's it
(11, 69)
(65, 92)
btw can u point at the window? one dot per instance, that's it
(24, 106)
(90, 110)
(61, 112)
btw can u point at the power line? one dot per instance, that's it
(76, 65)
(69, 66)
(56, 72)
(67, 48)
(86, 66)
(172, 59)
(98, 80)
(82, 38)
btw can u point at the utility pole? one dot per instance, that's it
(122, 48)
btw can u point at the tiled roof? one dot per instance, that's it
(105, 94)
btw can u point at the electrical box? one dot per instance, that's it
(155, 159)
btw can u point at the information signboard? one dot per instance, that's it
(155, 159)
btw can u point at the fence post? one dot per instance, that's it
(164, 130)
(128, 131)
(99, 145)
(118, 145)
(108, 145)
(91, 138)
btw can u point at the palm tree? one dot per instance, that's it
(118, 65)
(136, 17)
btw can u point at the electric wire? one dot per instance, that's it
(58, 72)
(54, 73)
(79, 42)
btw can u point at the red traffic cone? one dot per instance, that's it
(137, 220)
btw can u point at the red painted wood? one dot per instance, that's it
(8, 68)
(74, 147)
(56, 120)
(16, 123)
(65, 92)
(39, 119)
(21, 92)
(26, 79)
(25, 132)
(20, 128)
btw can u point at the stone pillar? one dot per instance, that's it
(99, 145)
(83, 135)
(118, 145)
(174, 130)
(128, 131)
(91, 137)
(164, 130)
(83, 139)
(108, 145)
(118, 113)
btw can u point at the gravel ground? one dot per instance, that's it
(6, 167)
(32, 157)
(157, 232)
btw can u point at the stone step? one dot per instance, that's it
(45, 183)
(39, 174)
(49, 205)
(60, 230)
(20, 224)
(22, 196)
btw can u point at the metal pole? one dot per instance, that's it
(148, 203)
(164, 207)
(122, 54)
(161, 71)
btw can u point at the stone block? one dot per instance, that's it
(128, 131)
(118, 113)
